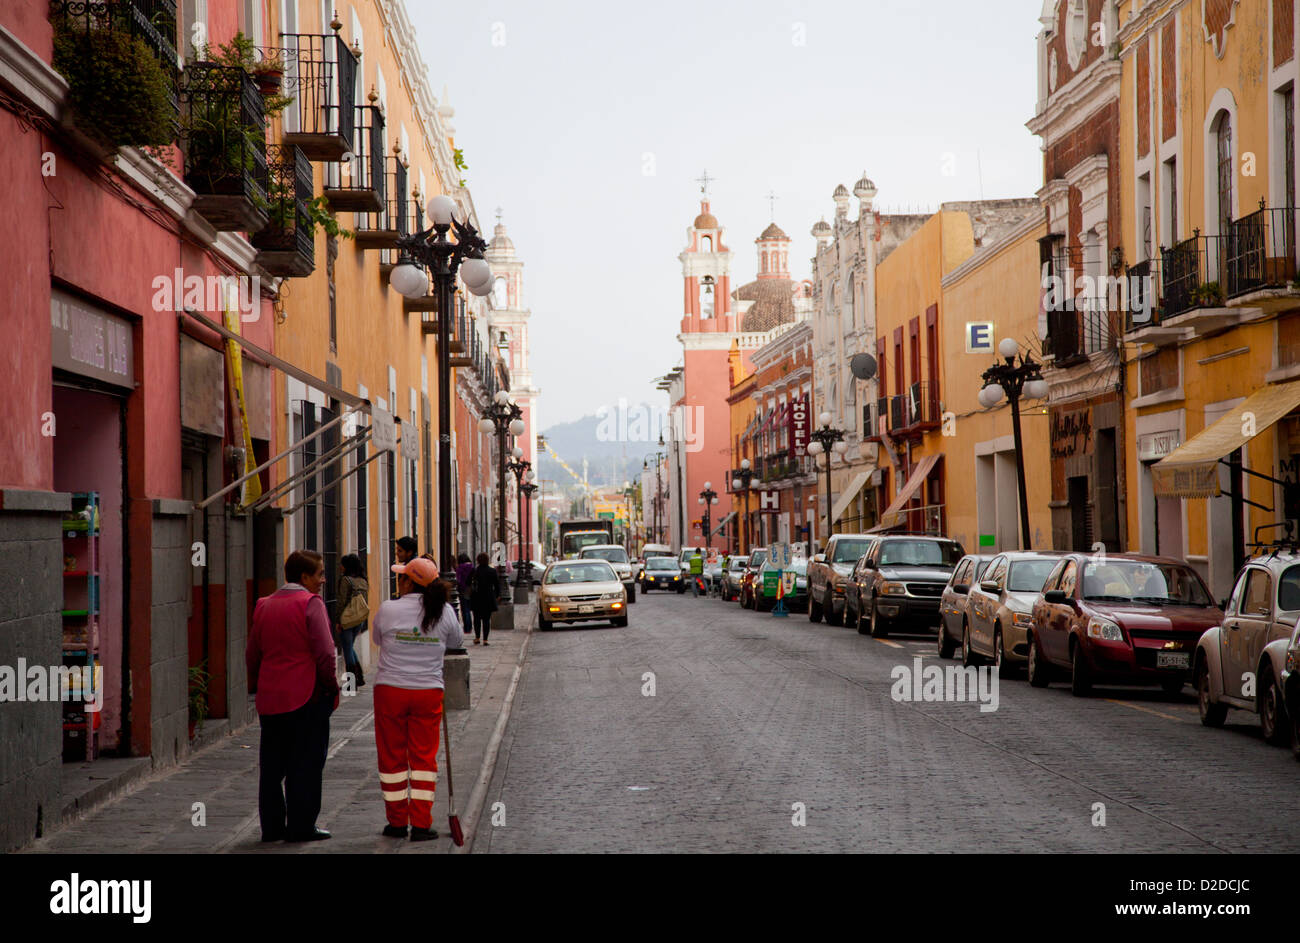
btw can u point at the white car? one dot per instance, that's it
(581, 591)
(616, 557)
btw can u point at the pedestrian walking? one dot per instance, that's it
(290, 661)
(484, 588)
(413, 633)
(696, 572)
(464, 567)
(353, 596)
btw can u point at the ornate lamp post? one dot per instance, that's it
(708, 497)
(502, 418)
(1013, 380)
(519, 468)
(432, 251)
(529, 488)
(741, 483)
(826, 439)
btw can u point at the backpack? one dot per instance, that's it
(356, 610)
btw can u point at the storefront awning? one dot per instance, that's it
(849, 494)
(895, 513)
(1192, 469)
(775, 417)
(722, 523)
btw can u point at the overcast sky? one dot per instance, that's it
(588, 124)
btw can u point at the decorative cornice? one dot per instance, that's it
(30, 77)
(1075, 102)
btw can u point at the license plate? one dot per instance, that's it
(1173, 660)
(586, 609)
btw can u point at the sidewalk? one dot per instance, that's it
(158, 813)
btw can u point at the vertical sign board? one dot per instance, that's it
(799, 425)
(410, 441)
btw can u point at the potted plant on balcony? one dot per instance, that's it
(1208, 295)
(267, 72)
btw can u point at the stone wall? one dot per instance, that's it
(169, 634)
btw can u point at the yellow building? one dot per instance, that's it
(743, 411)
(1207, 145)
(918, 341)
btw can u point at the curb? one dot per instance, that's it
(478, 797)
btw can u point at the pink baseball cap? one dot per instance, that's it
(420, 570)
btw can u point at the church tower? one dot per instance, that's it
(706, 276)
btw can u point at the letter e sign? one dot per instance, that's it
(979, 337)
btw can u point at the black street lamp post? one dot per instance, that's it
(432, 251)
(529, 489)
(520, 468)
(826, 439)
(502, 418)
(741, 483)
(708, 497)
(1013, 380)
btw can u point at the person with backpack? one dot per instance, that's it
(413, 632)
(354, 610)
(484, 588)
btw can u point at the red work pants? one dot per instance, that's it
(407, 726)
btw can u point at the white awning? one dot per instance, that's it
(896, 513)
(849, 494)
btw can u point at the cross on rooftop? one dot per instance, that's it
(771, 202)
(499, 212)
(704, 182)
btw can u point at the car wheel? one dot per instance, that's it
(542, 624)
(619, 623)
(1005, 670)
(1080, 673)
(946, 645)
(828, 607)
(1272, 710)
(631, 594)
(814, 609)
(879, 624)
(1212, 714)
(968, 657)
(1039, 671)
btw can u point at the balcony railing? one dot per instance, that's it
(152, 22)
(320, 76)
(923, 405)
(1257, 252)
(286, 246)
(1181, 268)
(356, 185)
(381, 230)
(225, 146)
(1143, 284)
(1073, 335)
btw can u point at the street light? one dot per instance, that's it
(520, 468)
(502, 418)
(1013, 380)
(741, 483)
(658, 458)
(432, 251)
(708, 497)
(827, 440)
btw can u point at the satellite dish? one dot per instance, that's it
(863, 366)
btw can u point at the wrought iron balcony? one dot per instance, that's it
(225, 146)
(356, 185)
(1257, 252)
(320, 75)
(1181, 268)
(381, 230)
(286, 246)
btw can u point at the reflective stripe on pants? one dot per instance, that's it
(407, 729)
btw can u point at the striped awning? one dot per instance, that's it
(895, 514)
(1192, 469)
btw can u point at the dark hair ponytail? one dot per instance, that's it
(432, 600)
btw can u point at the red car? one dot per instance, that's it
(1122, 618)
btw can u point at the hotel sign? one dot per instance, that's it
(90, 342)
(799, 426)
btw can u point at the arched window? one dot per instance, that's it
(706, 243)
(706, 296)
(1224, 165)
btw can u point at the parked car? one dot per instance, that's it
(1291, 689)
(827, 573)
(997, 622)
(952, 604)
(858, 576)
(1124, 618)
(757, 557)
(908, 574)
(1241, 662)
(581, 591)
(731, 574)
(616, 557)
(661, 573)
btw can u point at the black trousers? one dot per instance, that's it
(292, 763)
(482, 622)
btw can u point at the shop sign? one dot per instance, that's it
(799, 425)
(1156, 445)
(90, 342)
(1071, 433)
(769, 502)
(383, 430)
(410, 441)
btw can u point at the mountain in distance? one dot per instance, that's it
(604, 442)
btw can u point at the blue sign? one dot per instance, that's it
(979, 337)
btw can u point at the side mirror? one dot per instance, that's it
(1223, 604)
(962, 588)
(819, 558)
(1056, 596)
(868, 564)
(989, 586)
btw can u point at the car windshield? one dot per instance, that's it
(737, 563)
(612, 554)
(661, 563)
(594, 572)
(1288, 589)
(1160, 584)
(919, 553)
(757, 559)
(848, 551)
(1028, 576)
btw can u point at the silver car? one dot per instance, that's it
(731, 574)
(616, 557)
(952, 604)
(581, 591)
(998, 607)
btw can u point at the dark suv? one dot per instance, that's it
(902, 580)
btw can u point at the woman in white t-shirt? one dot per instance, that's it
(413, 633)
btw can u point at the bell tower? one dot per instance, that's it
(706, 273)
